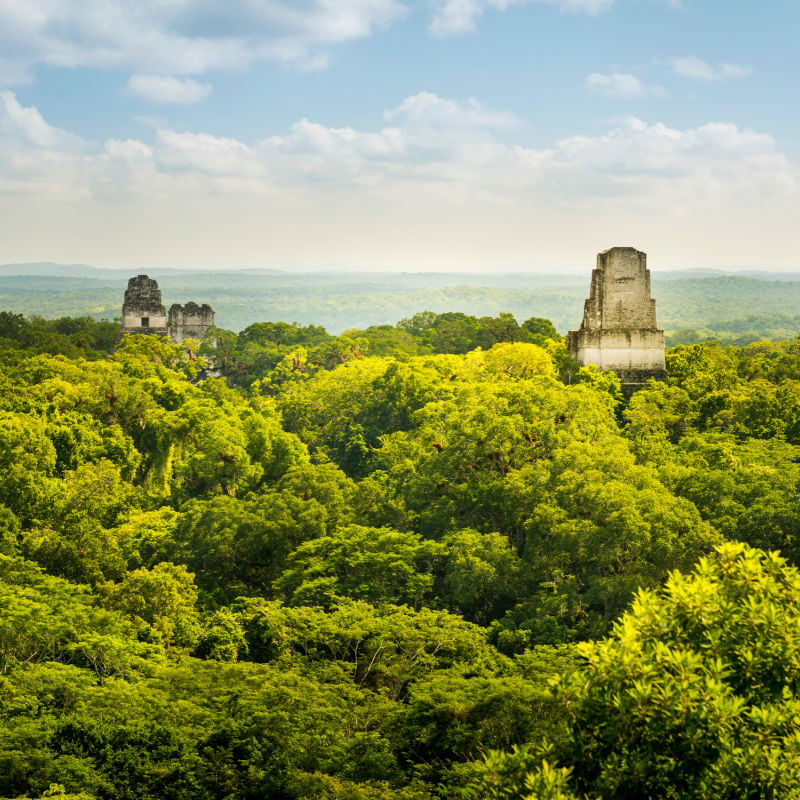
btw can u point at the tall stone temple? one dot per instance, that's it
(144, 312)
(619, 330)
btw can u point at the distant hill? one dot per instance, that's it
(49, 268)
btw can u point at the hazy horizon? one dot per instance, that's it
(571, 270)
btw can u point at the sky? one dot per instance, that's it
(480, 135)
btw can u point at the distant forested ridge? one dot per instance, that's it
(693, 305)
(431, 559)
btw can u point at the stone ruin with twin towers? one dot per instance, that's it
(144, 312)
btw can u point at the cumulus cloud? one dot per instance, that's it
(430, 141)
(716, 156)
(167, 89)
(192, 37)
(205, 154)
(693, 67)
(453, 17)
(181, 37)
(449, 170)
(621, 85)
(433, 140)
(428, 110)
(36, 157)
(25, 126)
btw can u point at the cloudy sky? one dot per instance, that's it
(403, 134)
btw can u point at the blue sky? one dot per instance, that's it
(401, 134)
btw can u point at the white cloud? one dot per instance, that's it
(205, 154)
(462, 148)
(621, 85)
(166, 89)
(181, 37)
(453, 17)
(431, 139)
(693, 67)
(457, 16)
(25, 126)
(734, 71)
(427, 110)
(704, 164)
(36, 157)
(441, 176)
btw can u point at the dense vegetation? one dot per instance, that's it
(354, 567)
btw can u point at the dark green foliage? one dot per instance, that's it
(694, 695)
(454, 332)
(70, 336)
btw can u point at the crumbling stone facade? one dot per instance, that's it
(142, 309)
(189, 322)
(144, 312)
(619, 330)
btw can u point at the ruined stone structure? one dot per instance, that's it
(189, 322)
(143, 312)
(142, 309)
(619, 330)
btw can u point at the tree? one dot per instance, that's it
(383, 648)
(462, 463)
(375, 564)
(658, 416)
(746, 489)
(239, 546)
(48, 619)
(419, 323)
(387, 340)
(11, 325)
(211, 457)
(605, 527)
(518, 361)
(481, 574)
(27, 460)
(693, 696)
(539, 329)
(163, 597)
(343, 412)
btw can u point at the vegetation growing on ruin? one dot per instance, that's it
(410, 562)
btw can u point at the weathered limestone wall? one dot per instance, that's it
(189, 322)
(619, 330)
(142, 309)
(619, 297)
